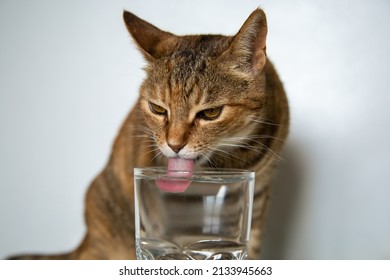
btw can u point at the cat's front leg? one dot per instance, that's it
(110, 221)
(259, 215)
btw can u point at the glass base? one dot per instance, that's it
(154, 249)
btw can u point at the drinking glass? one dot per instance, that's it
(207, 217)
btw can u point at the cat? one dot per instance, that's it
(209, 100)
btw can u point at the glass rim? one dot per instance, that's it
(204, 174)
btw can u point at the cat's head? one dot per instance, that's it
(202, 93)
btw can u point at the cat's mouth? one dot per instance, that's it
(180, 169)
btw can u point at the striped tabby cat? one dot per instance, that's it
(207, 101)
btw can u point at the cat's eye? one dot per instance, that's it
(210, 114)
(157, 109)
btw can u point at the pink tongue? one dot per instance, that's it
(177, 167)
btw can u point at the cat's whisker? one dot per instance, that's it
(209, 159)
(146, 140)
(251, 137)
(264, 121)
(144, 129)
(135, 128)
(237, 144)
(140, 126)
(157, 155)
(271, 151)
(150, 150)
(219, 151)
(247, 147)
(141, 136)
(150, 146)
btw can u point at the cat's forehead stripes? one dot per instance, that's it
(180, 99)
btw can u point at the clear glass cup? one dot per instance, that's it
(208, 218)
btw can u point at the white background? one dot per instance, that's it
(69, 74)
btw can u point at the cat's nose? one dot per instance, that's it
(176, 147)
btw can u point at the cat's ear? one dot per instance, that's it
(247, 52)
(153, 42)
